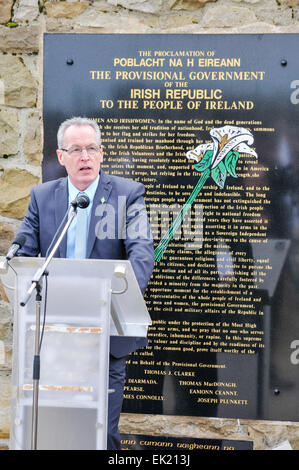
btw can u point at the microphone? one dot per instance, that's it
(81, 201)
(14, 248)
(16, 245)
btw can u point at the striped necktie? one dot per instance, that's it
(81, 232)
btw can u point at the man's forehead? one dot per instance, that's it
(76, 130)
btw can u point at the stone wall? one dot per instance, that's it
(22, 24)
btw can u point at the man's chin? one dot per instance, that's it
(84, 181)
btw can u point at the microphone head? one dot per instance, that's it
(19, 240)
(83, 201)
(15, 246)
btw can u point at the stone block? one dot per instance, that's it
(15, 185)
(5, 397)
(24, 39)
(224, 16)
(5, 10)
(190, 4)
(268, 11)
(3, 295)
(185, 18)
(33, 138)
(5, 319)
(117, 23)
(20, 88)
(9, 131)
(289, 3)
(65, 9)
(146, 6)
(5, 336)
(6, 237)
(26, 10)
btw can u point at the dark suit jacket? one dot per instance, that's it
(123, 201)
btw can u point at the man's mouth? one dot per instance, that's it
(85, 168)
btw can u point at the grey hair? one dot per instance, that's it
(77, 121)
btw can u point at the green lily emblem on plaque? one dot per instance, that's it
(217, 160)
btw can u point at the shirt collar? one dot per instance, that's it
(90, 191)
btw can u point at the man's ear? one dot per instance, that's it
(101, 154)
(60, 157)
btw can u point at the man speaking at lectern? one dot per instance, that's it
(80, 152)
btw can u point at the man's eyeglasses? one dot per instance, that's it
(92, 150)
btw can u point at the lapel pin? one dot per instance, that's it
(103, 200)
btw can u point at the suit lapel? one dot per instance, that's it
(61, 205)
(101, 197)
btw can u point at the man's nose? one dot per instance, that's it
(84, 154)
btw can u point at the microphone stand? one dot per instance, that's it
(37, 285)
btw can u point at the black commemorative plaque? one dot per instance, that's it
(209, 124)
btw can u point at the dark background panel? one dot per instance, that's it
(267, 380)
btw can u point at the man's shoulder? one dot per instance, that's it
(49, 186)
(122, 183)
